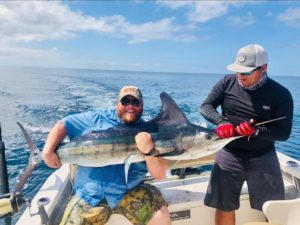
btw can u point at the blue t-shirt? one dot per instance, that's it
(93, 184)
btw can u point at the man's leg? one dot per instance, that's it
(79, 212)
(224, 218)
(223, 192)
(161, 217)
(264, 180)
(144, 204)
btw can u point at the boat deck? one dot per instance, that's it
(185, 197)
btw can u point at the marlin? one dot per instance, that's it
(175, 138)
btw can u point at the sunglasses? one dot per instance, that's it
(252, 71)
(134, 102)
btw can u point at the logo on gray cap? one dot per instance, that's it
(242, 57)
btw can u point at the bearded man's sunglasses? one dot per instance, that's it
(134, 102)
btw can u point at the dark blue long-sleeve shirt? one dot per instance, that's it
(270, 101)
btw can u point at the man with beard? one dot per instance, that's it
(247, 96)
(101, 191)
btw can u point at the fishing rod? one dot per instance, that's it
(9, 202)
(4, 188)
(3, 173)
(268, 121)
(253, 123)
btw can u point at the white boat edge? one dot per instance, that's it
(185, 197)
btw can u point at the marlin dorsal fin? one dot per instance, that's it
(170, 113)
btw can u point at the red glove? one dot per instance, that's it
(225, 130)
(245, 129)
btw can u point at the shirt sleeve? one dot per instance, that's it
(208, 108)
(77, 124)
(83, 123)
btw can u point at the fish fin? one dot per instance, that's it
(34, 159)
(127, 164)
(175, 164)
(175, 152)
(26, 174)
(170, 113)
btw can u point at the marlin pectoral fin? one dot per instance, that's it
(175, 152)
(31, 145)
(35, 155)
(127, 164)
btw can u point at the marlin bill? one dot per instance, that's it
(174, 136)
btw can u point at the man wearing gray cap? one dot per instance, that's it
(247, 97)
(101, 191)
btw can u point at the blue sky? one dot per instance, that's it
(166, 36)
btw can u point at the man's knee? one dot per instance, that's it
(97, 215)
(163, 211)
(80, 212)
(143, 203)
(162, 217)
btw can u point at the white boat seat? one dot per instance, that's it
(281, 212)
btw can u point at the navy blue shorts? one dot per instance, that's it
(262, 174)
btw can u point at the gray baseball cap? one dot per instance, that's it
(131, 90)
(249, 58)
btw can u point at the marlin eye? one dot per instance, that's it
(208, 136)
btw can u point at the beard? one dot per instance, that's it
(129, 117)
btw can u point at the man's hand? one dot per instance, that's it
(56, 135)
(144, 142)
(245, 129)
(157, 166)
(225, 130)
(51, 159)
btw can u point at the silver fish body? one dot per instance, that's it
(99, 152)
(174, 136)
(172, 142)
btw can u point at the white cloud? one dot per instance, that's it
(25, 23)
(163, 29)
(40, 21)
(176, 4)
(291, 17)
(243, 21)
(27, 56)
(205, 11)
(35, 21)
(202, 11)
(18, 51)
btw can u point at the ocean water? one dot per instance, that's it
(39, 97)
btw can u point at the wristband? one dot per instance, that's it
(152, 152)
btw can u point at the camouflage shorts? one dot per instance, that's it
(137, 206)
